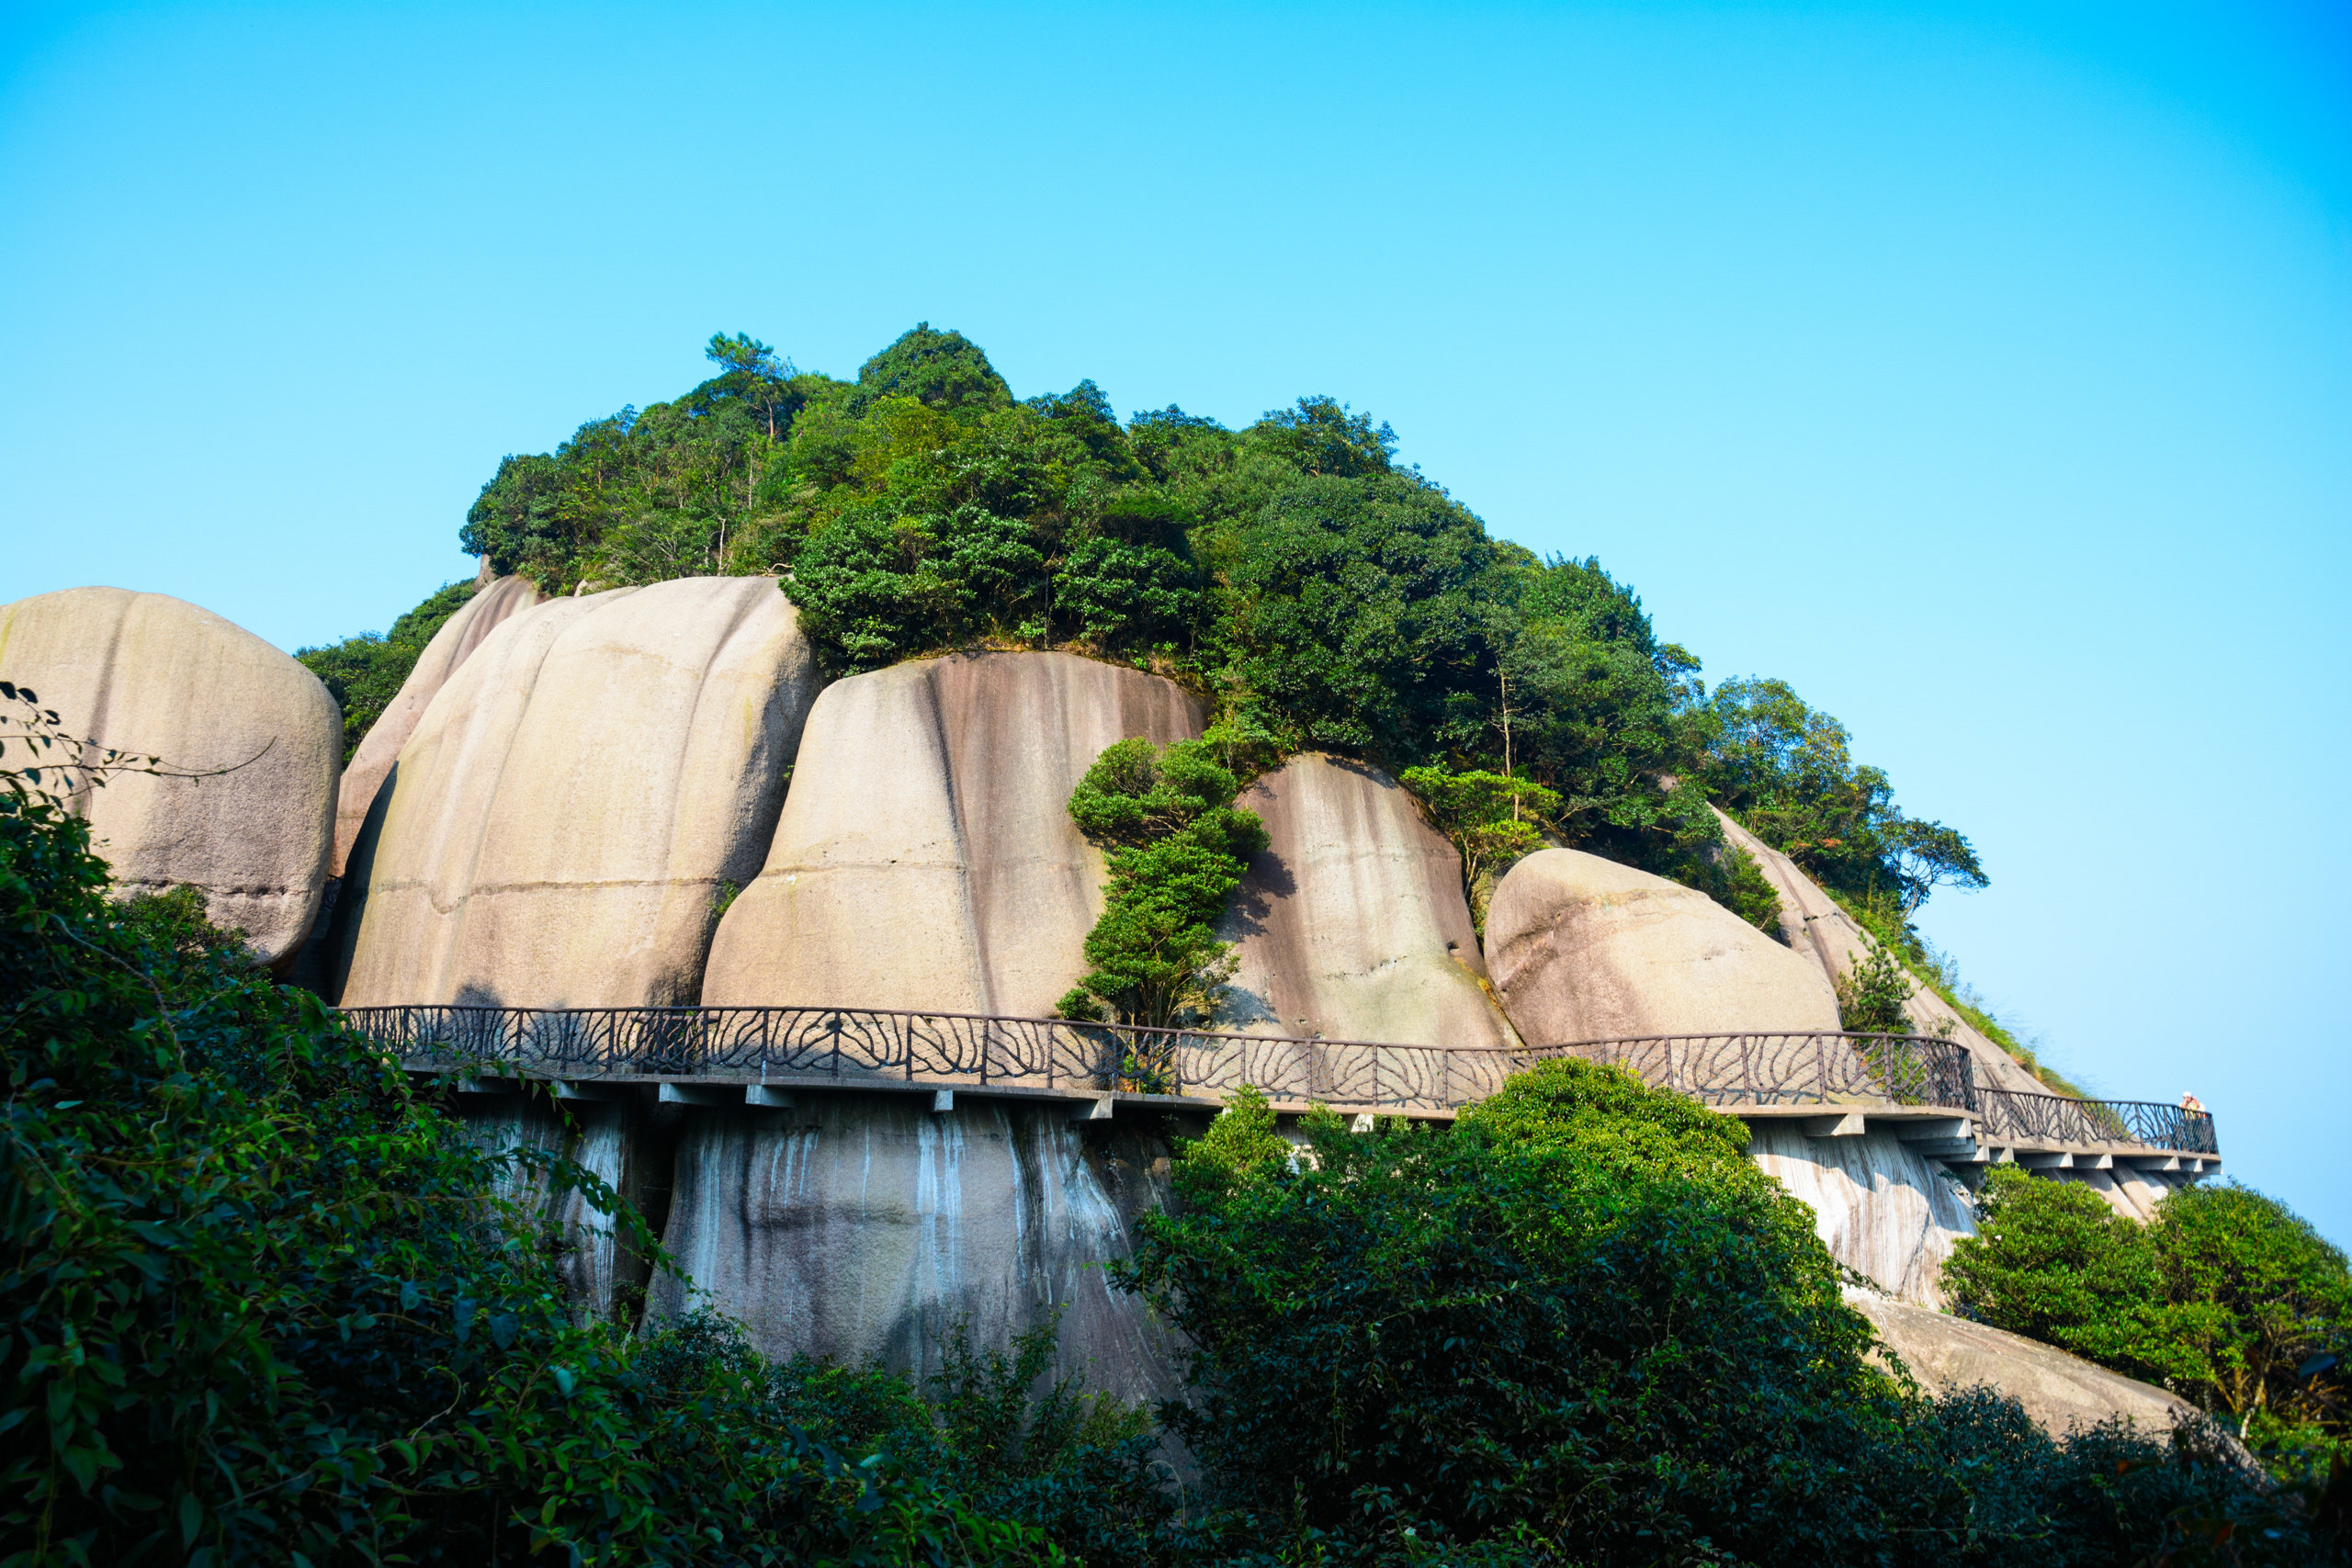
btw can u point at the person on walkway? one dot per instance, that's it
(2189, 1102)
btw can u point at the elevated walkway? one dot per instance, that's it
(1833, 1084)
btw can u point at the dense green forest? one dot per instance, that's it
(1323, 594)
(265, 1303)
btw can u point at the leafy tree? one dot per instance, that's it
(945, 370)
(364, 673)
(2052, 1261)
(1177, 848)
(2228, 1297)
(1582, 1328)
(1355, 606)
(262, 1305)
(2260, 1313)
(1490, 818)
(1784, 770)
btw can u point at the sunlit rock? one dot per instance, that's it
(457, 639)
(578, 801)
(926, 858)
(1353, 924)
(150, 675)
(2062, 1393)
(1582, 948)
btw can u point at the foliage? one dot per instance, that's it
(1177, 848)
(364, 673)
(2228, 1297)
(1323, 593)
(1584, 1327)
(262, 1305)
(2053, 1262)
(1874, 999)
(1490, 818)
(1784, 770)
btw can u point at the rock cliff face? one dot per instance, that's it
(1813, 924)
(563, 825)
(1583, 948)
(2059, 1391)
(148, 674)
(925, 858)
(866, 1227)
(1353, 924)
(458, 637)
(1880, 1208)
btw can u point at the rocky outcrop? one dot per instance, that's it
(2061, 1393)
(1879, 1207)
(150, 675)
(926, 858)
(458, 637)
(1813, 925)
(1582, 948)
(1353, 924)
(868, 1227)
(578, 801)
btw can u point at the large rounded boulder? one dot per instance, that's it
(1582, 948)
(371, 763)
(253, 739)
(579, 802)
(1353, 924)
(926, 859)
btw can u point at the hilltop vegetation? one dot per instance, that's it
(1325, 595)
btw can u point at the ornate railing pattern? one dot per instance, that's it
(2057, 1119)
(877, 1045)
(1801, 1067)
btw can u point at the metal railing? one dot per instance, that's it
(879, 1046)
(1802, 1067)
(2058, 1119)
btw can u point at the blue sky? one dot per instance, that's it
(1984, 370)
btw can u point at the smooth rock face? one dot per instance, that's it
(148, 674)
(1582, 948)
(1352, 925)
(1880, 1208)
(565, 823)
(925, 858)
(2060, 1392)
(1813, 925)
(865, 1226)
(458, 637)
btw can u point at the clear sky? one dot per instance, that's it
(1984, 370)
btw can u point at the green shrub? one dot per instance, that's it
(1874, 998)
(1177, 848)
(262, 1305)
(2228, 1297)
(1582, 1328)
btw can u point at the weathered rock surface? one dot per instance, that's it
(866, 1228)
(1813, 925)
(567, 819)
(925, 858)
(1880, 1209)
(1582, 948)
(458, 637)
(2060, 1392)
(1353, 924)
(148, 674)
